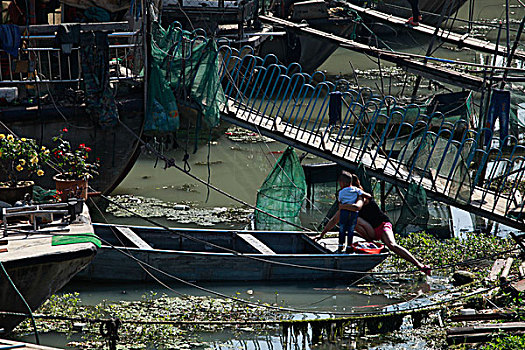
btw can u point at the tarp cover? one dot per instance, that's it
(282, 194)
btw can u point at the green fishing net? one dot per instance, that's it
(184, 69)
(282, 194)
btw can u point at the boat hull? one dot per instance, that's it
(214, 264)
(115, 146)
(191, 266)
(308, 51)
(38, 278)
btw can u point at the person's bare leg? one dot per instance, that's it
(390, 242)
(364, 230)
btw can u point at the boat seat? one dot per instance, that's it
(254, 242)
(133, 237)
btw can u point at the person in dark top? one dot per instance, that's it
(416, 15)
(374, 225)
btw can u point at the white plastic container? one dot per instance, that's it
(9, 93)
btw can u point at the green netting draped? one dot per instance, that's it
(185, 67)
(282, 194)
(439, 157)
(415, 210)
(162, 111)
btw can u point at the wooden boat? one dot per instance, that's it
(184, 253)
(41, 258)
(11, 344)
(47, 93)
(332, 17)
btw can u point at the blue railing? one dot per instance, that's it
(447, 157)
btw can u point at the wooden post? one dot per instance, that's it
(506, 270)
(429, 49)
(513, 50)
(308, 195)
(383, 197)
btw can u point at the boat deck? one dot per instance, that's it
(11, 344)
(22, 242)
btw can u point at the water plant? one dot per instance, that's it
(439, 252)
(148, 309)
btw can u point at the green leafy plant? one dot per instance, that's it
(73, 162)
(506, 342)
(20, 158)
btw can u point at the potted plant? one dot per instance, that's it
(20, 158)
(75, 169)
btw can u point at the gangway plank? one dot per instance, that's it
(427, 70)
(482, 202)
(461, 40)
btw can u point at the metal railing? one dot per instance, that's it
(448, 158)
(39, 62)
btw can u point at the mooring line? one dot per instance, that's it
(346, 316)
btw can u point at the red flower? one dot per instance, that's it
(88, 149)
(82, 145)
(98, 159)
(64, 130)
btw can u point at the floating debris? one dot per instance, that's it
(237, 134)
(212, 162)
(181, 213)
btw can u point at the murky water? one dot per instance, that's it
(239, 169)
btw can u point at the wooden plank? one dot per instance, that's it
(506, 269)
(487, 327)
(254, 242)
(518, 286)
(521, 270)
(483, 316)
(474, 337)
(482, 202)
(427, 70)
(496, 269)
(133, 237)
(461, 40)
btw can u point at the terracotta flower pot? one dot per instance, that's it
(71, 188)
(12, 194)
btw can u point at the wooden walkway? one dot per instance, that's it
(427, 70)
(480, 201)
(461, 40)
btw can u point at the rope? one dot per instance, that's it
(348, 316)
(442, 267)
(138, 263)
(170, 162)
(223, 322)
(250, 257)
(37, 339)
